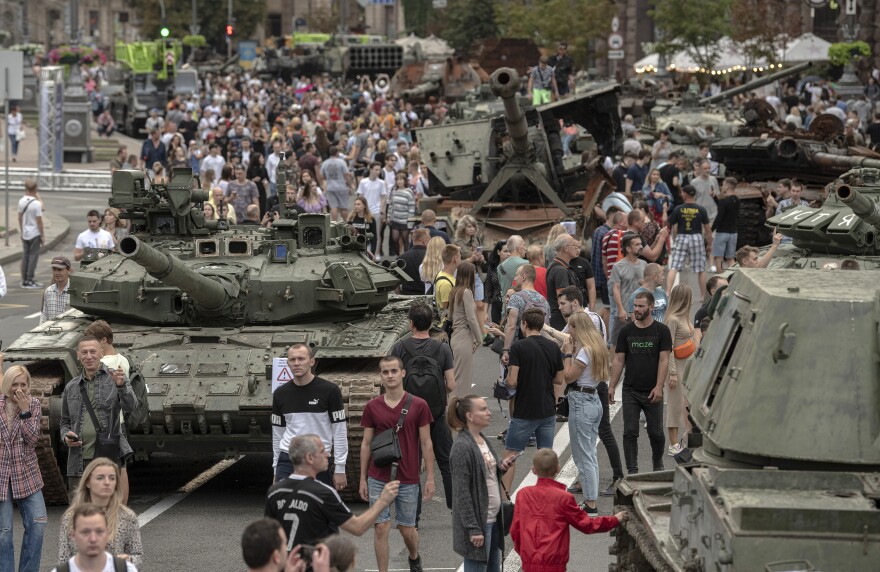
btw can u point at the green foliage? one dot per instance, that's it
(469, 20)
(842, 53)
(762, 27)
(211, 18)
(416, 13)
(195, 41)
(692, 25)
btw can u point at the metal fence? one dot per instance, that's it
(67, 181)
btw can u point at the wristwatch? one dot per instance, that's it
(25, 415)
(567, 355)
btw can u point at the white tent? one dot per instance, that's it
(731, 57)
(680, 61)
(806, 48)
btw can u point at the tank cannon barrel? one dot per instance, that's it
(846, 162)
(861, 205)
(505, 84)
(208, 293)
(421, 90)
(754, 84)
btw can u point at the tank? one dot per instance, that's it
(508, 169)
(781, 472)
(201, 309)
(449, 78)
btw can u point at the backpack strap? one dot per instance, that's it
(119, 564)
(63, 567)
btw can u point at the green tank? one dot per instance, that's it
(201, 309)
(783, 469)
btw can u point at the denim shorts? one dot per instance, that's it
(520, 430)
(406, 505)
(724, 245)
(479, 289)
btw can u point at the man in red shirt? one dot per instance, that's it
(535, 256)
(611, 250)
(542, 517)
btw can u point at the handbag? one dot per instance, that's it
(106, 444)
(562, 405)
(385, 447)
(20, 135)
(505, 512)
(686, 349)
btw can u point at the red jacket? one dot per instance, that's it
(540, 525)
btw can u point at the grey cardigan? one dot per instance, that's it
(470, 496)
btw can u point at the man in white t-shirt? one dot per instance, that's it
(30, 225)
(89, 532)
(93, 237)
(374, 190)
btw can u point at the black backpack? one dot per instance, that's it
(118, 565)
(424, 376)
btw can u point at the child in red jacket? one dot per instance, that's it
(542, 517)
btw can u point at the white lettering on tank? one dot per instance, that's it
(847, 220)
(802, 215)
(792, 213)
(819, 217)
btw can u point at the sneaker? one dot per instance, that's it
(609, 492)
(575, 488)
(674, 450)
(36, 284)
(503, 435)
(415, 565)
(591, 512)
(561, 418)
(532, 441)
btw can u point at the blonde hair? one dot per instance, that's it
(556, 231)
(433, 262)
(462, 224)
(679, 304)
(84, 496)
(584, 332)
(10, 375)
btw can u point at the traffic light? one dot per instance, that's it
(164, 31)
(229, 30)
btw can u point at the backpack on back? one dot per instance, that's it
(119, 565)
(424, 375)
(530, 303)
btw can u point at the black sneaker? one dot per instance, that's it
(415, 565)
(609, 492)
(533, 442)
(575, 488)
(36, 284)
(503, 435)
(591, 512)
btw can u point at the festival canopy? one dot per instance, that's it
(807, 48)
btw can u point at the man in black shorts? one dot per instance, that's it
(644, 346)
(309, 509)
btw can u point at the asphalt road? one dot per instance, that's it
(192, 511)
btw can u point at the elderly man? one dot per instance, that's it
(507, 269)
(560, 275)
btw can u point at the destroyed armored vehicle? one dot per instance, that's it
(782, 472)
(449, 79)
(201, 310)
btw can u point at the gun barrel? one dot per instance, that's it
(755, 83)
(862, 206)
(845, 162)
(505, 83)
(208, 293)
(421, 90)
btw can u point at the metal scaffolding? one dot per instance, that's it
(51, 134)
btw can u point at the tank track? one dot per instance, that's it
(633, 547)
(359, 383)
(46, 380)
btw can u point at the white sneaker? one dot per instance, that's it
(674, 450)
(713, 268)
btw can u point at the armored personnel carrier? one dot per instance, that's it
(784, 473)
(202, 309)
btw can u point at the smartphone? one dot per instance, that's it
(480, 249)
(305, 552)
(76, 438)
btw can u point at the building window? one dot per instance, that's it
(273, 25)
(93, 22)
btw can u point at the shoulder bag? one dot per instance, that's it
(385, 447)
(686, 349)
(107, 443)
(505, 511)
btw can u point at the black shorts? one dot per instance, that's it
(602, 294)
(562, 87)
(399, 226)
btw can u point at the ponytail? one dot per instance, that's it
(456, 412)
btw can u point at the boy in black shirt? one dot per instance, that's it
(725, 225)
(644, 346)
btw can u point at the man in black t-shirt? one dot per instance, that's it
(643, 346)
(309, 509)
(725, 225)
(560, 275)
(712, 285)
(535, 367)
(873, 131)
(691, 238)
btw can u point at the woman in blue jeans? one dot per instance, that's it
(20, 478)
(476, 490)
(586, 365)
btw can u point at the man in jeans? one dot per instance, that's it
(30, 224)
(535, 367)
(643, 346)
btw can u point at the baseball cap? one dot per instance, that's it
(61, 262)
(689, 190)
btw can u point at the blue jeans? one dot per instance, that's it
(492, 540)
(285, 468)
(520, 430)
(33, 515)
(585, 414)
(273, 189)
(13, 144)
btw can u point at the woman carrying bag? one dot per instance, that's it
(476, 486)
(684, 344)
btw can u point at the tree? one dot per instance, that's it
(416, 13)
(469, 20)
(248, 15)
(763, 27)
(548, 22)
(692, 25)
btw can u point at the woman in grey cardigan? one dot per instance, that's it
(476, 491)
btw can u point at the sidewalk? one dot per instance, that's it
(55, 226)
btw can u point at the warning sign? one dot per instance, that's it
(280, 373)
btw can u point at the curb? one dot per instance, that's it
(60, 223)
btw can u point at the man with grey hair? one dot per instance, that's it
(560, 275)
(507, 269)
(309, 509)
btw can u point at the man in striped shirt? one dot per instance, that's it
(611, 251)
(56, 298)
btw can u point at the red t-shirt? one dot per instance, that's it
(541, 280)
(611, 249)
(380, 417)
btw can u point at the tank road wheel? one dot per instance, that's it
(359, 383)
(47, 379)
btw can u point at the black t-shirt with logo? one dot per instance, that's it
(307, 509)
(538, 360)
(728, 214)
(642, 347)
(689, 217)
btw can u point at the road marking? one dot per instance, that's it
(32, 316)
(566, 476)
(13, 306)
(404, 569)
(157, 509)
